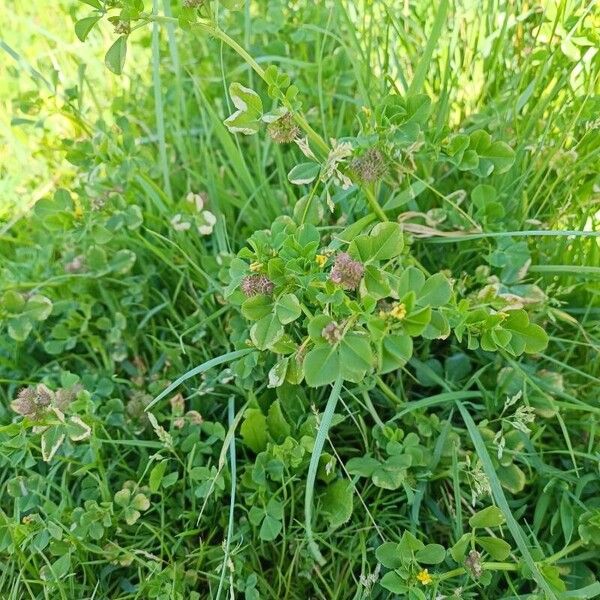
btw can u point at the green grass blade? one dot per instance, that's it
(209, 364)
(158, 103)
(500, 498)
(314, 464)
(416, 85)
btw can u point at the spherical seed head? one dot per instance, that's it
(44, 395)
(33, 401)
(333, 332)
(283, 130)
(370, 166)
(24, 403)
(123, 28)
(346, 271)
(252, 285)
(65, 396)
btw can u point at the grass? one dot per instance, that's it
(257, 492)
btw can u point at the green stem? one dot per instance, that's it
(562, 553)
(372, 202)
(503, 566)
(486, 566)
(388, 392)
(314, 137)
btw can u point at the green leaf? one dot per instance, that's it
(19, 328)
(355, 356)
(122, 497)
(364, 466)
(488, 517)
(266, 332)
(321, 365)
(534, 338)
(432, 554)
(396, 351)
(246, 119)
(512, 478)
(141, 502)
(38, 307)
(13, 302)
(278, 427)
(61, 566)
(115, 57)
(257, 307)
(52, 439)
(316, 326)
(170, 479)
(77, 429)
(411, 280)
(501, 155)
(84, 26)
(387, 241)
(436, 291)
(304, 173)
(387, 554)
(416, 322)
(394, 583)
(336, 502)
(156, 475)
(287, 308)
(391, 474)
(278, 371)
(459, 549)
(254, 430)
(498, 549)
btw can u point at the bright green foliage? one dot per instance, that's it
(213, 210)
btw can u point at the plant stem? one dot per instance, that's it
(372, 201)
(319, 142)
(562, 553)
(486, 566)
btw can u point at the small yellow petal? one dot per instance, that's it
(255, 266)
(398, 311)
(321, 259)
(424, 577)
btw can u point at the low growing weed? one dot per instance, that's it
(311, 309)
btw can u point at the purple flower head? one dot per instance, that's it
(346, 271)
(33, 401)
(252, 285)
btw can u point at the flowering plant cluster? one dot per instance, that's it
(351, 304)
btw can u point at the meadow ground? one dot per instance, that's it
(299, 300)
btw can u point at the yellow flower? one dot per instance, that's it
(255, 266)
(424, 577)
(321, 259)
(398, 311)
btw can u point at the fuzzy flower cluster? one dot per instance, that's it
(370, 166)
(346, 271)
(204, 220)
(253, 285)
(333, 332)
(34, 401)
(284, 129)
